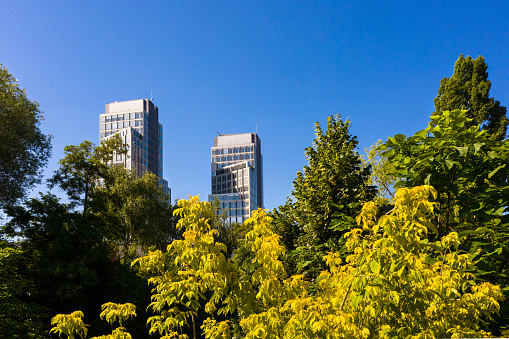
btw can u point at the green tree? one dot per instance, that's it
(381, 174)
(468, 168)
(19, 317)
(74, 266)
(24, 149)
(83, 166)
(469, 88)
(327, 195)
(136, 211)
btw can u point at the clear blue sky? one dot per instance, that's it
(234, 66)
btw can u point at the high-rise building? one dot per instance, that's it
(237, 174)
(137, 123)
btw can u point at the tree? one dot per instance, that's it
(193, 274)
(469, 88)
(83, 166)
(393, 285)
(19, 318)
(327, 195)
(68, 257)
(468, 169)
(24, 149)
(381, 174)
(136, 211)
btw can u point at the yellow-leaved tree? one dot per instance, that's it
(394, 284)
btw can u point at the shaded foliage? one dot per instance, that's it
(24, 149)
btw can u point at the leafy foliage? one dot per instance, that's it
(468, 168)
(72, 324)
(136, 211)
(66, 254)
(19, 318)
(83, 166)
(327, 195)
(192, 270)
(469, 88)
(381, 173)
(69, 325)
(393, 285)
(396, 283)
(24, 149)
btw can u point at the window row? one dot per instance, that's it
(232, 157)
(125, 124)
(120, 117)
(232, 150)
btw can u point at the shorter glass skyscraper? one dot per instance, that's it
(237, 174)
(137, 123)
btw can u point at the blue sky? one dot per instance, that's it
(240, 66)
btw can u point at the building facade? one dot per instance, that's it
(137, 124)
(237, 174)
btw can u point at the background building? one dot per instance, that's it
(237, 174)
(137, 123)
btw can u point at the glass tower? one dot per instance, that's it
(137, 123)
(237, 174)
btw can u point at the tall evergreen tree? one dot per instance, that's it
(327, 195)
(469, 88)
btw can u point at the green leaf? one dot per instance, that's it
(449, 163)
(492, 173)
(427, 180)
(423, 133)
(400, 137)
(463, 150)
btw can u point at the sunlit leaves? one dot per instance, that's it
(69, 325)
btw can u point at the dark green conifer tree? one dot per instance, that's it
(469, 88)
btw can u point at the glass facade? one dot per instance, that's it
(137, 123)
(236, 175)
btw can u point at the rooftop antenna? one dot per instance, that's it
(151, 97)
(218, 133)
(256, 129)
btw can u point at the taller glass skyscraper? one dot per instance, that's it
(137, 123)
(237, 174)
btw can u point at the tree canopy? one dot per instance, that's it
(469, 88)
(82, 168)
(327, 195)
(24, 149)
(394, 284)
